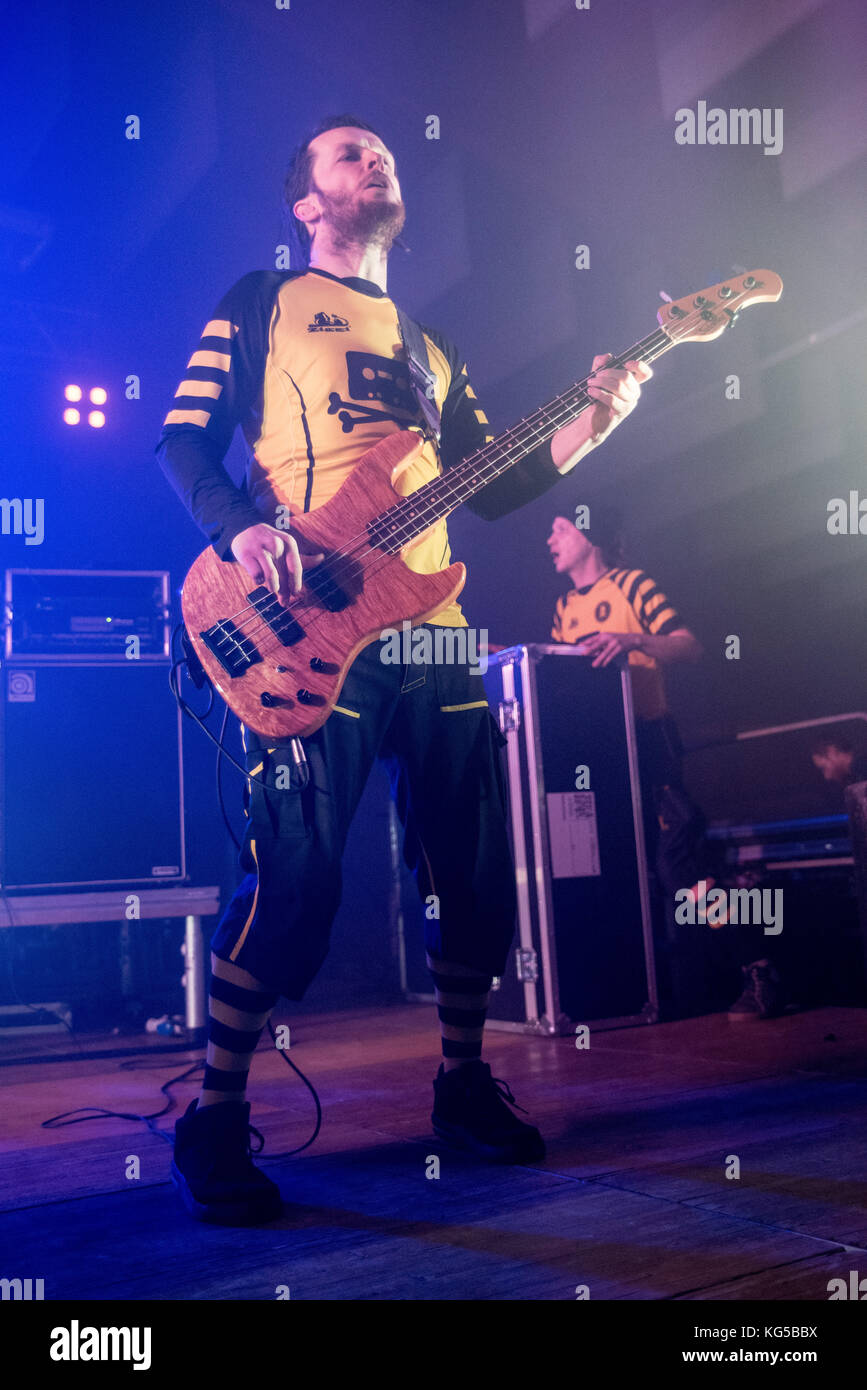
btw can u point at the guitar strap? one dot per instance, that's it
(423, 384)
(422, 378)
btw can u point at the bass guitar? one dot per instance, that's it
(280, 666)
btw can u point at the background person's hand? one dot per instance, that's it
(605, 646)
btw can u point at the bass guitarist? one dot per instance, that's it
(311, 365)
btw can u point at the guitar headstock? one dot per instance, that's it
(703, 316)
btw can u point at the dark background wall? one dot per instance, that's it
(557, 128)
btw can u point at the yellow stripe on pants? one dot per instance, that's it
(242, 938)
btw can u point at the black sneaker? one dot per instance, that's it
(762, 995)
(213, 1171)
(470, 1110)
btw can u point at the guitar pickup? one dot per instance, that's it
(321, 582)
(285, 628)
(235, 652)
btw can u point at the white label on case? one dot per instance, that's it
(573, 834)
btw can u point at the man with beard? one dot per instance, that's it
(311, 365)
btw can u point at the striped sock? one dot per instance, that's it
(462, 1004)
(239, 1006)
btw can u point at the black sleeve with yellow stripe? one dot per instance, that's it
(465, 429)
(651, 607)
(222, 384)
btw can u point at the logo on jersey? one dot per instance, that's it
(328, 323)
(603, 610)
(373, 378)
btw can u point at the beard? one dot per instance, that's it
(354, 221)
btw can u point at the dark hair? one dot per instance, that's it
(605, 530)
(826, 741)
(296, 185)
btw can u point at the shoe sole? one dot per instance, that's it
(226, 1213)
(462, 1139)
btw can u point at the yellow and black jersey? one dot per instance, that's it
(622, 601)
(313, 369)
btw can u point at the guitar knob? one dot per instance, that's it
(305, 697)
(269, 700)
(317, 664)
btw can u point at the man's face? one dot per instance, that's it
(568, 545)
(354, 187)
(835, 764)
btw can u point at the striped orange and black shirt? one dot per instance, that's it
(622, 600)
(311, 367)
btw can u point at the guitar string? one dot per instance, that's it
(415, 521)
(652, 347)
(429, 514)
(448, 493)
(452, 484)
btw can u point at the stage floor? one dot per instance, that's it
(632, 1200)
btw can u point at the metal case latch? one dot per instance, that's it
(509, 715)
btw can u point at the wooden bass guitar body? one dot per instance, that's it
(281, 665)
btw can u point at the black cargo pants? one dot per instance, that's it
(431, 723)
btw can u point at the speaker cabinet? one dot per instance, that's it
(91, 775)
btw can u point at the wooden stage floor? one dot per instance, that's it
(632, 1200)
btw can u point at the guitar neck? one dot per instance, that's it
(436, 499)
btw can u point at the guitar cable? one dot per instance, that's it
(199, 679)
(138, 1064)
(198, 676)
(91, 1112)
